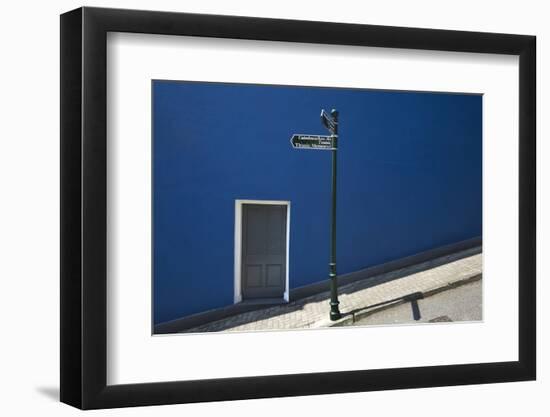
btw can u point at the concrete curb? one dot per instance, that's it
(352, 317)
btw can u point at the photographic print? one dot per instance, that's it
(282, 207)
(328, 188)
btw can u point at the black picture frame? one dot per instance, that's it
(84, 207)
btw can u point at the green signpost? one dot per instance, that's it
(321, 142)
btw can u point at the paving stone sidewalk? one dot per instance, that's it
(312, 312)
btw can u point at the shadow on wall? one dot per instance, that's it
(50, 392)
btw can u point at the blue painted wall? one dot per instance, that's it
(409, 180)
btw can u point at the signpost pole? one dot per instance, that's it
(322, 142)
(334, 311)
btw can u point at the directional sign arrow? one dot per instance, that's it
(328, 122)
(312, 142)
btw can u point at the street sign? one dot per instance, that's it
(328, 122)
(313, 142)
(327, 143)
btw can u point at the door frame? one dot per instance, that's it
(237, 288)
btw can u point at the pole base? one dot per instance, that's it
(335, 312)
(335, 316)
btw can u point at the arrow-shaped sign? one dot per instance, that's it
(328, 122)
(312, 142)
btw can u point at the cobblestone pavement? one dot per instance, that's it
(459, 304)
(312, 312)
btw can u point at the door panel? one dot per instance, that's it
(254, 275)
(263, 270)
(274, 276)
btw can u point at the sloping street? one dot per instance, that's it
(366, 297)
